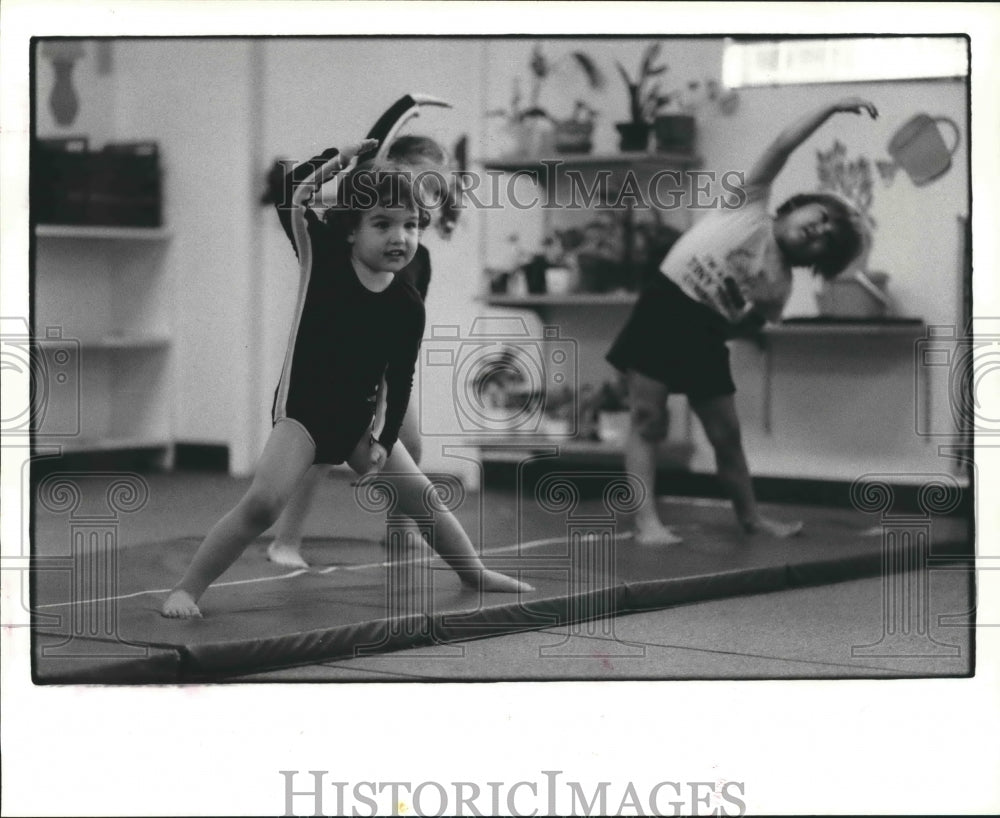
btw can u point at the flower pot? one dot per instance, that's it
(534, 275)
(612, 427)
(555, 426)
(633, 136)
(559, 280)
(675, 133)
(574, 136)
(598, 274)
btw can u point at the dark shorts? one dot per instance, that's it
(673, 339)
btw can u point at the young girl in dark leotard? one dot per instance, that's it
(340, 347)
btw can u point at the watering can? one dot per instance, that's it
(919, 148)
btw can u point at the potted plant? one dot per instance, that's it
(536, 131)
(642, 100)
(857, 292)
(601, 253)
(674, 125)
(575, 135)
(560, 412)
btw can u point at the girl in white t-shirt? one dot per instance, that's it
(727, 275)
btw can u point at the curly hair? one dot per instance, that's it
(850, 233)
(369, 186)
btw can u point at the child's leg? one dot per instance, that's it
(409, 436)
(647, 428)
(286, 547)
(287, 455)
(450, 539)
(722, 427)
(409, 433)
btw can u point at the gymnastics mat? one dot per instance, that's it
(96, 615)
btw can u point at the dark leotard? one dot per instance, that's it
(344, 338)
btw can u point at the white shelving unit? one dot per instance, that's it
(591, 319)
(102, 312)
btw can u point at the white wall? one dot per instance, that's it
(196, 98)
(846, 406)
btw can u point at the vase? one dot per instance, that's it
(536, 135)
(612, 427)
(675, 133)
(574, 136)
(633, 136)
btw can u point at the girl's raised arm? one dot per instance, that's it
(769, 165)
(302, 182)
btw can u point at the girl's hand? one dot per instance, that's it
(348, 153)
(377, 455)
(855, 105)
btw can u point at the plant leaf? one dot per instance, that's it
(651, 53)
(594, 75)
(624, 73)
(539, 65)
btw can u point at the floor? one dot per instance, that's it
(798, 634)
(831, 631)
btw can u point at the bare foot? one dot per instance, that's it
(286, 555)
(495, 582)
(180, 605)
(656, 534)
(774, 528)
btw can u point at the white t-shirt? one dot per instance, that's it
(730, 260)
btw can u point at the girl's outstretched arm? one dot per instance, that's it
(769, 165)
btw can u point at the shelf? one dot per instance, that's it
(113, 342)
(905, 327)
(104, 444)
(103, 232)
(514, 448)
(589, 160)
(568, 300)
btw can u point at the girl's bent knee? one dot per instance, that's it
(261, 511)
